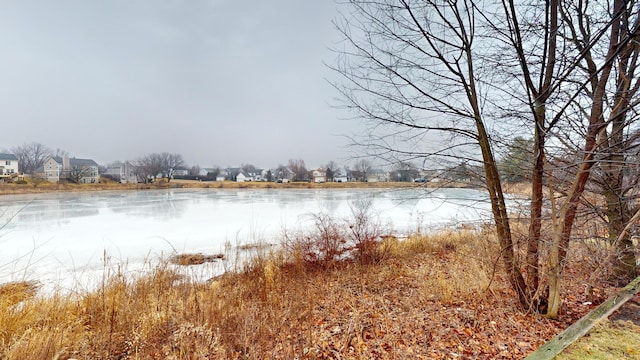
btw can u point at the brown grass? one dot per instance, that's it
(194, 259)
(608, 340)
(42, 187)
(427, 298)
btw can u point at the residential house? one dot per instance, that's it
(340, 178)
(180, 171)
(283, 175)
(231, 173)
(8, 165)
(206, 171)
(319, 175)
(242, 177)
(377, 175)
(83, 171)
(259, 175)
(124, 172)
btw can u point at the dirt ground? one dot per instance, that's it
(628, 312)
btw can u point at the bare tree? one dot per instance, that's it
(600, 44)
(417, 69)
(31, 156)
(404, 172)
(281, 172)
(214, 172)
(195, 170)
(609, 98)
(149, 167)
(60, 153)
(332, 169)
(79, 172)
(411, 70)
(169, 164)
(361, 169)
(299, 170)
(249, 168)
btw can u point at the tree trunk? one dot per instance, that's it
(618, 215)
(535, 224)
(500, 216)
(614, 165)
(593, 140)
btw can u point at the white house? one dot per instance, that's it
(124, 172)
(180, 171)
(319, 175)
(377, 175)
(205, 171)
(241, 177)
(340, 178)
(8, 165)
(58, 168)
(260, 175)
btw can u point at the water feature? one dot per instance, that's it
(71, 239)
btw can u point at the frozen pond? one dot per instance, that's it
(72, 239)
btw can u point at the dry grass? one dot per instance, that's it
(44, 186)
(427, 298)
(608, 340)
(433, 297)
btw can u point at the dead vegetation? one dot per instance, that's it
(341, 289)
(617, 339)
(44, 186)
(431, 297)
(194, 259)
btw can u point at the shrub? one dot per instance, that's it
(357, 237)
(365, 232)
(323, 243)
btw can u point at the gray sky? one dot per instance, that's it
(220, 82)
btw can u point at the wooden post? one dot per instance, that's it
(581, 327)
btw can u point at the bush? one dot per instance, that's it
(329, 240)
(323, 243)
(365, 232)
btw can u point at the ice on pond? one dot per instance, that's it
(71, 239)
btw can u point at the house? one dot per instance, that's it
(180, 171)
(206, 171)
(242, 177)
(283, 175)
(8, 165)
(223, 175)
(319, 176)
(340, 178)
(81, 171)
(260, 175)
(211, 174)
(124, 172)
(231, 173)
(377, 175)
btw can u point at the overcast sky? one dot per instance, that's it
(220, 82)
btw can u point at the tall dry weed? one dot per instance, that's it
(356, 237)
(269, 307)
(465, 263)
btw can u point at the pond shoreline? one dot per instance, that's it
(16, 189)
(52, 233)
